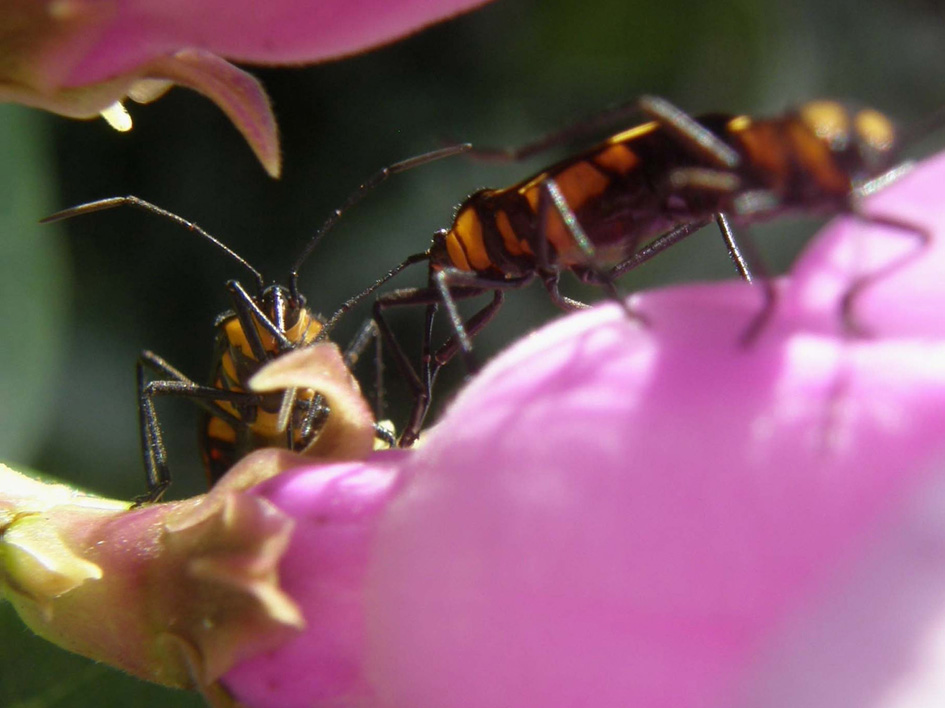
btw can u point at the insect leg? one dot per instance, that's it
(551, 196)
(473, 326)
(688, 131)
(368, 333)
(152, 440)
(460, 285)
(744, 263)
(655, 247)
(861, 283)
(246, 310)
(418, 384)
(441, 280)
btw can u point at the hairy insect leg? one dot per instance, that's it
(152, 439)
(249, 314)
(419, 387)
(473, 326)
(689, 132)
(551, 196)
(655, 247)
(368, 333)
(461, 286)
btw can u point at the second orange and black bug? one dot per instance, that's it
(603, 212)
(262, 325)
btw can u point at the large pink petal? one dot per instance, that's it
(336, 510)
(618, 516)
(613, 515)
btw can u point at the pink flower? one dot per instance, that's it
(609, 515)
(80, 58)
(174, 593)
(613, 515)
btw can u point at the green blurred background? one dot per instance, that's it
(80, 300)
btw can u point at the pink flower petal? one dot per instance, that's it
(616, 516)
(273, 32)
(612, 515)
(79, 57)
(238, 94)
(336, 509)
(905, 303)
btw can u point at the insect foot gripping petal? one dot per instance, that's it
(174, 593)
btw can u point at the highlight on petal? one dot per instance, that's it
(618, 515)
(117, 116)
(241, 97)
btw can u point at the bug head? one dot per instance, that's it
(863, 140)
(439, 253)
(282, 307)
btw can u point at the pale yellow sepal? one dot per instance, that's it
(174, 593)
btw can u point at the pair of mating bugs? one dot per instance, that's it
(597, 214)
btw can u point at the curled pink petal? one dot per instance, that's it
(238, 94)
(348, 434)
(79, 58)
(613, 515)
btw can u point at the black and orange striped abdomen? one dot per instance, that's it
(615, 190)
(623, 191)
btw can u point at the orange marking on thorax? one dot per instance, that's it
(617, 158)
(765, 147)
(816, 158)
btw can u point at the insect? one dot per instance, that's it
(262, 325)
(603, 212)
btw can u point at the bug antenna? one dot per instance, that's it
(112, 202)
(352, 302)
(366, 188)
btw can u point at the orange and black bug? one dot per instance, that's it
(605, 211)
(261, 327)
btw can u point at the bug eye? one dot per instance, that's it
(875, 131)
(829, 121)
